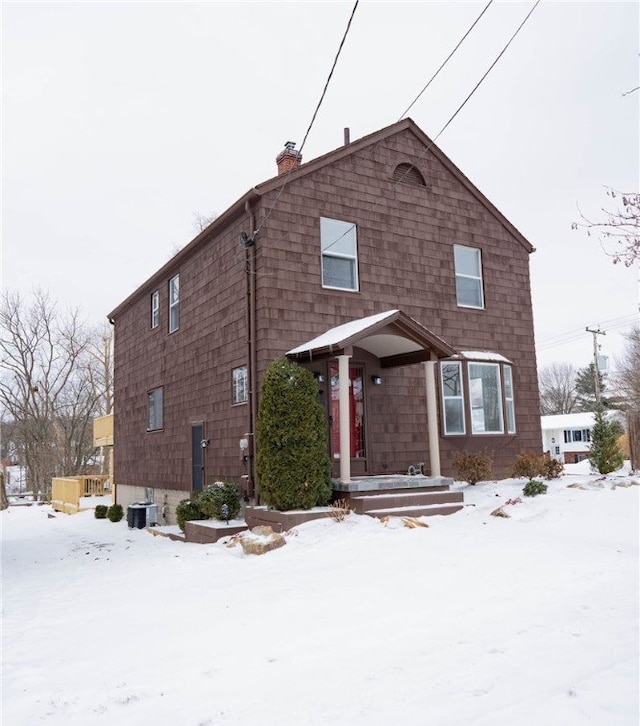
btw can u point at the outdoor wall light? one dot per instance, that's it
(319, 377)
(376, 380)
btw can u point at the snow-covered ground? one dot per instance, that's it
(473, 621)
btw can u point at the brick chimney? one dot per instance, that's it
(288, 158)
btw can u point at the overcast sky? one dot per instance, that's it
(123, 120)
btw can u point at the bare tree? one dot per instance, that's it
(626, 381)
(45, 388)
(557, 389)
(202, 221)
(619, 229)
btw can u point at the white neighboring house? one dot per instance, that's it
(567, 437)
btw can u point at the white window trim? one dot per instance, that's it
(342, 256)
(174, 304)
(160, 414)
(500, 393)
(470, 277)
(238, 387)
(509, 402)
(460, 398)
(155, 309)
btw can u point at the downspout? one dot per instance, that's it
(250, 266)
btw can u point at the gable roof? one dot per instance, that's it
(583, 420)
(241, 205)
(392, 336)
(375, 138)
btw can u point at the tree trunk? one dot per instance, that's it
(4, 502)
(633, 431)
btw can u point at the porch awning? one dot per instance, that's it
(393, 337)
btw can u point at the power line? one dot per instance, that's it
(621, 320)
(502, 52)
(437, 136)
(433, 77)
(444, 63)
(313, 118)
(574, 336)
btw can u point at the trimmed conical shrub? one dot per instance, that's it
(292, 464)
(605, 454)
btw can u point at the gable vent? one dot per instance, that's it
(408, 174)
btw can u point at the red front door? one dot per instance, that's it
(357, 448)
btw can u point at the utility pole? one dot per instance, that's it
(596, 370)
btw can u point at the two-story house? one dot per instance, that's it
(380, 267)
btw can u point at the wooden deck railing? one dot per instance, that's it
(67, 491)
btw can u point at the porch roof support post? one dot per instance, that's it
(345, 423)
(432, 416)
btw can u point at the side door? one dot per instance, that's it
(197, 457)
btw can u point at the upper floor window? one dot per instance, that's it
(469, 289)
(174, 303)
(508, 400)
(485, 395)
(453, 403)
(577, 435)
(154, 409)
(338, 242)
(240, 385)
(155, 308)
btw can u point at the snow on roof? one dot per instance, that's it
(584, 420)
(336, 335)
(482, 355)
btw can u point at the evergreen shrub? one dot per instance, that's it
(100, 511)
(115, 512)
(533, 488)
(605, 453)
(292, 464)
(211, 499)
(473, 467)
(188, 510)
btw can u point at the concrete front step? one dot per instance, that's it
(365, 503)
(429, 510)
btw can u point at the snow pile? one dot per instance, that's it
(475, 620)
